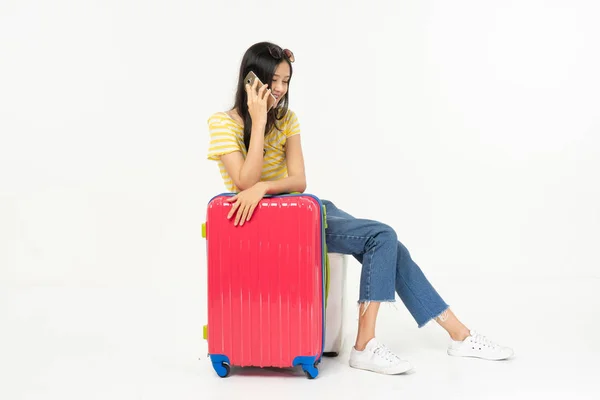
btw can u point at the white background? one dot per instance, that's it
(471, 127)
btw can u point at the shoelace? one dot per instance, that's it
(385, 353)
(482, 340)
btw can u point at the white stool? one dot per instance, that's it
(334, 314)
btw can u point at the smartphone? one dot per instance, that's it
(250, 78)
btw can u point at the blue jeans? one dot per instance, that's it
(386, 264)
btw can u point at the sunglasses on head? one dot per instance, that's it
(278, 53)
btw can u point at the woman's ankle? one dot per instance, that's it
(461, 335)
(361, 343)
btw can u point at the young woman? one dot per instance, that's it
(258, 151)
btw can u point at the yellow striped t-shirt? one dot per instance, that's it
(227, 136)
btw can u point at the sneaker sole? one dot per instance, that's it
(396, 371)
(455, 353)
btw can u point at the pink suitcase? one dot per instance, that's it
(266, 284)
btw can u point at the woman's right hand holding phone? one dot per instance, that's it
(257, 102)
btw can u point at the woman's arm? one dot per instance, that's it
(246, 201)
(296, 179)
(246, 173)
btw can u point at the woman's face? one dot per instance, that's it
(279, 84)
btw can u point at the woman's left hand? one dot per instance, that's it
(245, 203)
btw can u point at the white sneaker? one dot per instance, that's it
(378, 358)
(479, 346)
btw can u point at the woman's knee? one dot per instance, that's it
(403, 252)
(386, 232)
(381, 235)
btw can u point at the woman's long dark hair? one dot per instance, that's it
(263, 59)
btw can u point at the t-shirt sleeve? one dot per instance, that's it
(222, 138)
(293, 125)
